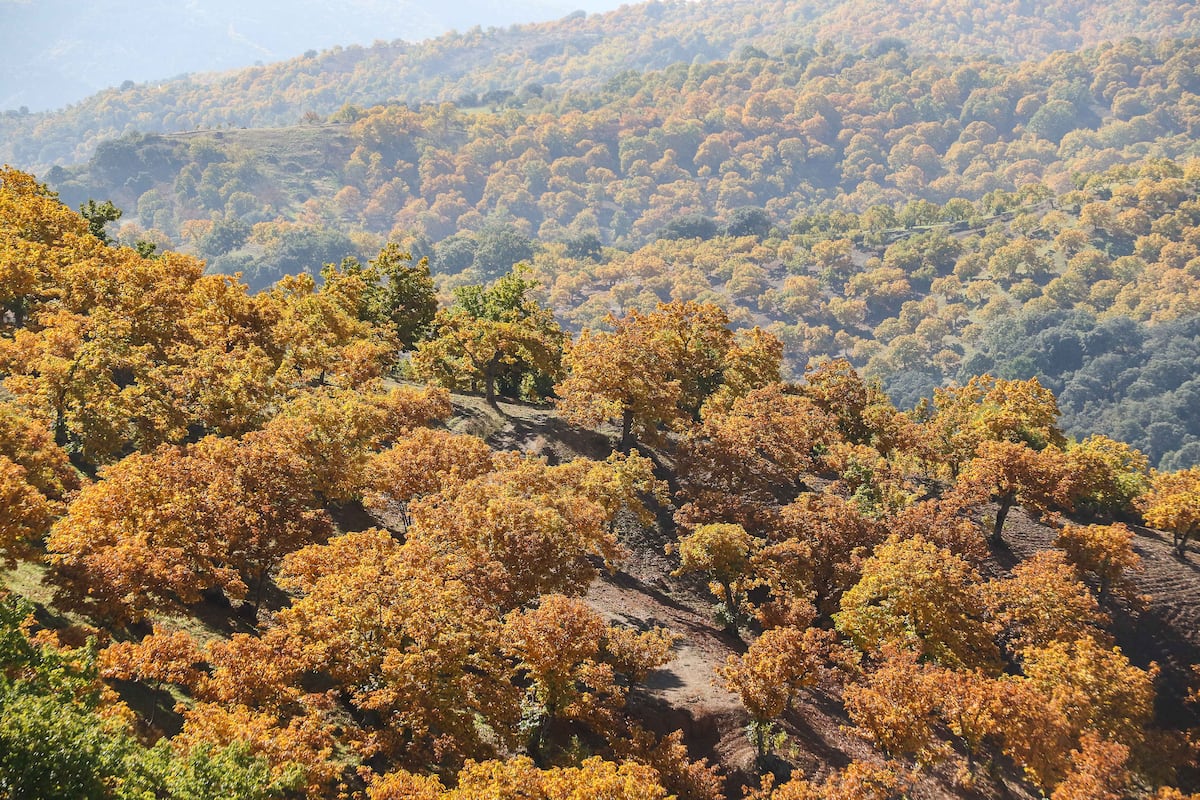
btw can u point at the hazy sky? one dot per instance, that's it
(56, 52)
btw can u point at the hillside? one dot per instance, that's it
(644, 593)
(247, 561)
(577, 54)
(699, 401)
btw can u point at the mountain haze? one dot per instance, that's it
(55, 52)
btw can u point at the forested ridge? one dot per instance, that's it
(263, 569)
(577, 54)
(859, 224)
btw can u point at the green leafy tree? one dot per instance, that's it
(98, 215)
(405, 296)
(493, 333)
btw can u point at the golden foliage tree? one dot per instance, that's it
(1173, 504)
(914, 595)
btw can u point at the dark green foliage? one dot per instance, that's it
(499, 248)
(225, 235)
(748, 221)
(54, 745)
(404, 296)
(98, 215)
(584, 246)
(52, 749)
(455, 253)
(1134, 382)
(689, 226)
(300, 250)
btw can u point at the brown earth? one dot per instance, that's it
(686, 693)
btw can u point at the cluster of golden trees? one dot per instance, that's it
(170, 439)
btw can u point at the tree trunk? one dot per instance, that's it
(489, 388)
(731, 608)
(1181, 542)
(1006, 503)
(626, 430)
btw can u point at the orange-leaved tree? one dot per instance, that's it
(775, 667)
(405, 641)
(1041, 602)
(750, 456)
(422, 463)
(1105, 554)
(571, 658)
(142, 538)
(658, 369)
(1010, 474)
(527, 528)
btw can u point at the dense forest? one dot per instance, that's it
(877, 206)
(698, 401)
(397, 605)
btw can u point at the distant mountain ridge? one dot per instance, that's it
(55, 52)
(578, 53)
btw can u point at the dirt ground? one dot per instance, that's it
(686, 693)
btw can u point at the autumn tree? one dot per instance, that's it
(743, 462)
(1173, 504)
(334, 432)
(1011, 474)
(1041, 602)
(35, 480)
(140, 538)
(1098, 772)
(1096, 687)
(259, 505)
(991, 409)
(859, 780)
(774, 668)
(520, 777)
(894, 706)
(838, 538)
(228, 366)
(422, 463)
(405, 641)
(619, 375)
(914, 595)
(1105, 554)
(527, 528)
(323, 331)
(658, 369)
(838, 390)
(1107, 475)
(722, 551)
(571, 658)
(94, 363)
